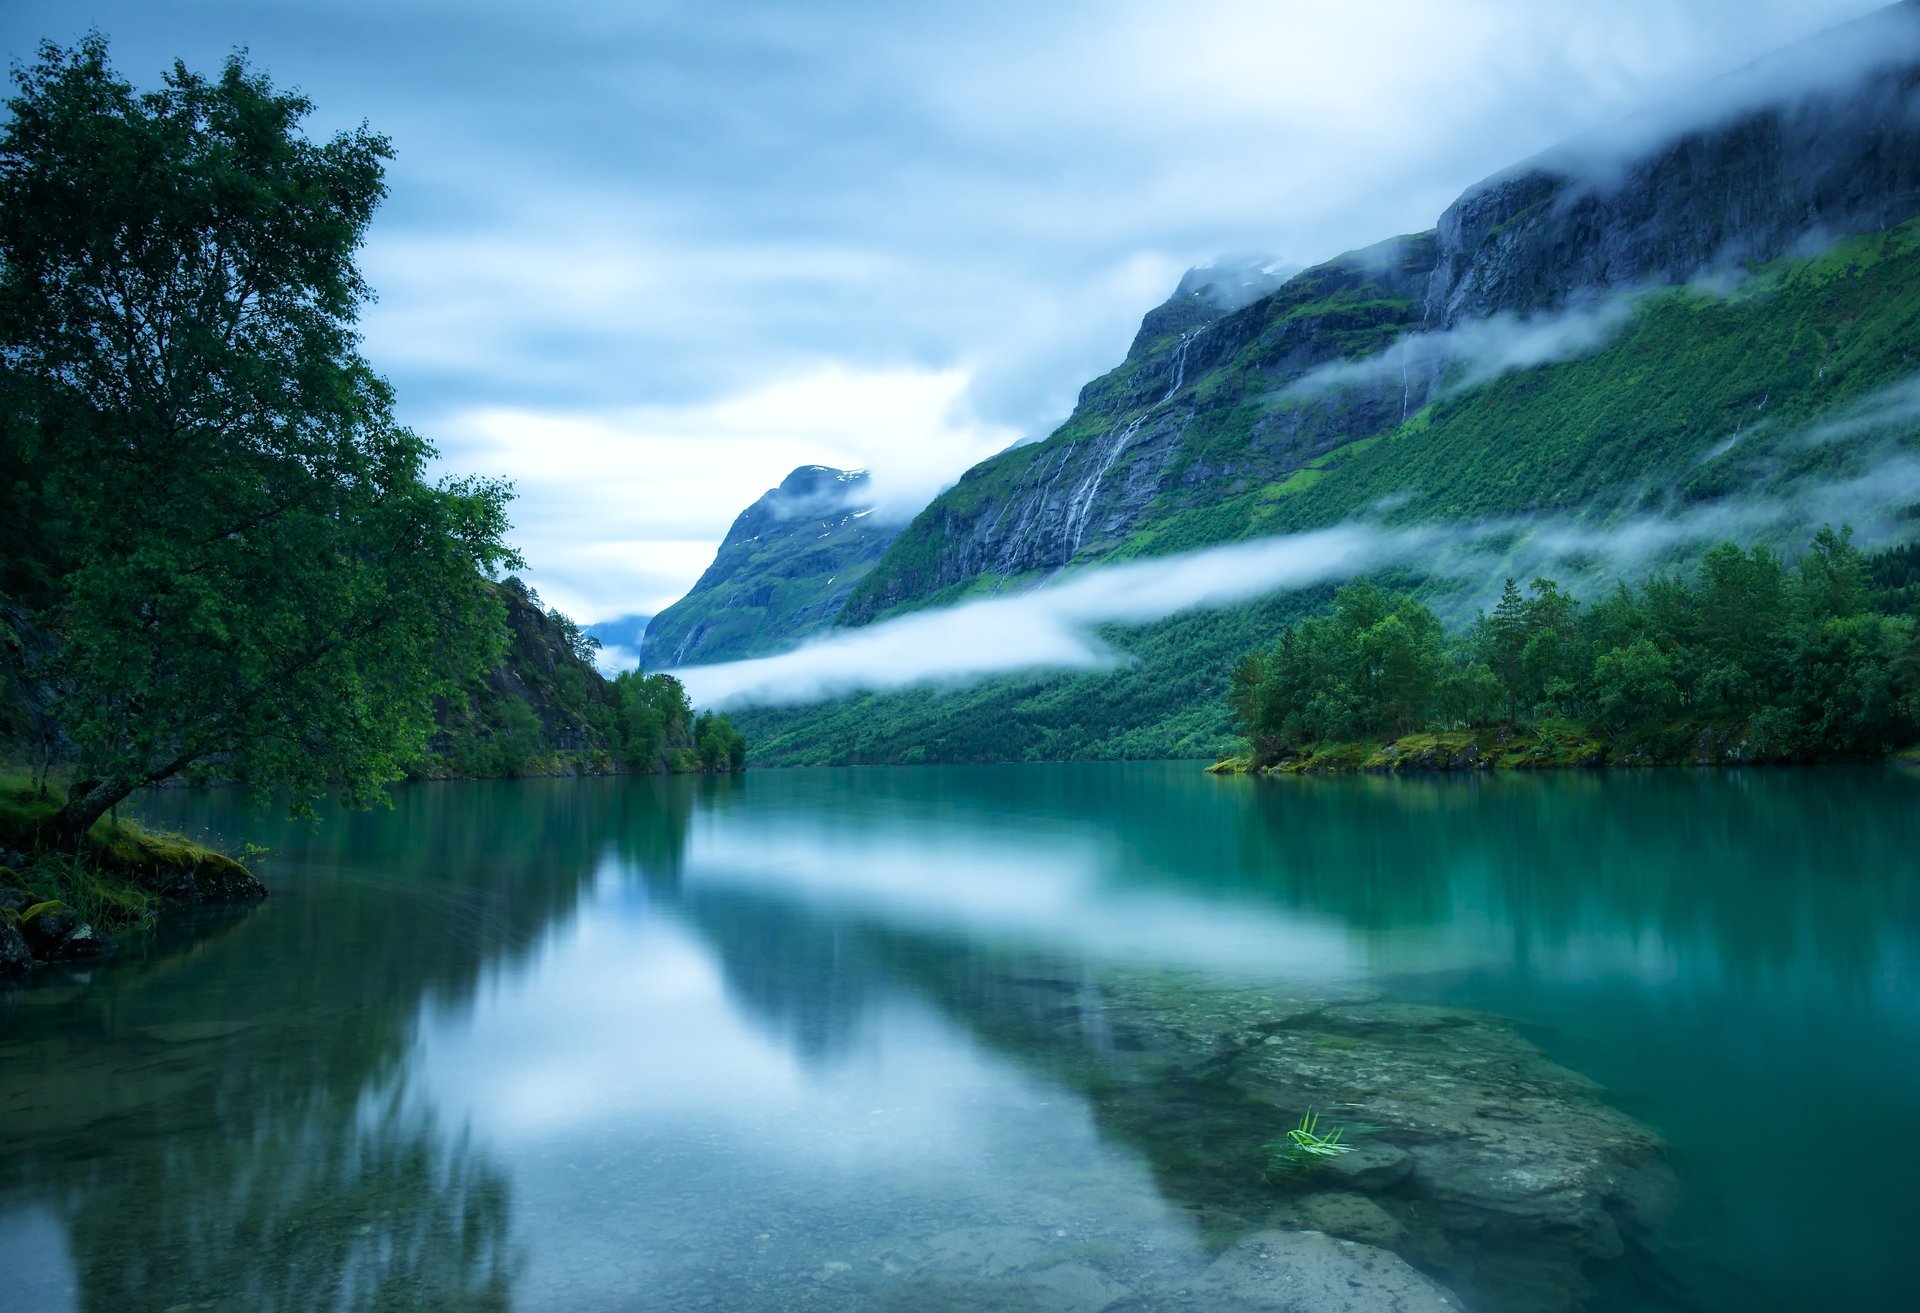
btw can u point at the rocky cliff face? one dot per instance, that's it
(1815, 142)
(784, 570)
(1217, 399)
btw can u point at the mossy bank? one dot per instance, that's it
(60, 906)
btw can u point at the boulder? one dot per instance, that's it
(45, 925)
(1349, 1216)
(14, 900)
(83, 944)
(1373, 1166)
(210, 879)
(16, 959)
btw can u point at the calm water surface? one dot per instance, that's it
(859, 1039)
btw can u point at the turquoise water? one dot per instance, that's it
(952, 1038)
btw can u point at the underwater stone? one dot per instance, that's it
(1372, 1166)
(1349, 1216)
(1309, 1272)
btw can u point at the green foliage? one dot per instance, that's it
(1304, 1146)
(1796, 654)
(101, 878)
(252, 566)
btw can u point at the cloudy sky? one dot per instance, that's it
(645, 258)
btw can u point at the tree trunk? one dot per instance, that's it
(87, 802)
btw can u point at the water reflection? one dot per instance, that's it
(648, 1043)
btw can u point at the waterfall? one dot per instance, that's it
(1039, 482)
(1180, 364)
(1082, 510)
(1080, 504)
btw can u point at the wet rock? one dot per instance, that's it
(83, 944)
(211, 879)
(1476, 1156)
(16, 959)
(989, 1251)
(1348, 1216)
(1373, 1166)
(1308, 1272)
(45, 925)
(1072, 1288)
(14, 900)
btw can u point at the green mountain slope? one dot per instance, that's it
(783, 571)
(1699, 399)
(1707, 314)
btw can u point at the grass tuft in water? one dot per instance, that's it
(1304, 1146)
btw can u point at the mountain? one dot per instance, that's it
(1712, 304)
(784, 570)
(620, 637)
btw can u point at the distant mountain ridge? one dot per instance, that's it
(784, 571)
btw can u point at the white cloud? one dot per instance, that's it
(601, 210)
(615, 507)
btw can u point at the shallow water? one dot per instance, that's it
(875, 1038)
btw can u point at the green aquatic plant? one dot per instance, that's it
(1304, 1146)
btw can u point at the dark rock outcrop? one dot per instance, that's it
(207, 879)
(1821, 140)
(16, 958)
(45, 925)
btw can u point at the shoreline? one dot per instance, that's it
(1541, 747)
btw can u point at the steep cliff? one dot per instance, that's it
(783, 571)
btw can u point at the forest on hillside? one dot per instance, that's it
(1816, 661)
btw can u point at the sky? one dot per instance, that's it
(643, 259)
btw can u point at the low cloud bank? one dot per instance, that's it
(1053, 626)
(1049, 627)
(1481, 349)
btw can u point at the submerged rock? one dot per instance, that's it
(1309, 1272)
(1476, 1157)
(1374, 1165)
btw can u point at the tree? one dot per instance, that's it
(1505, 642)
(1633, 685)
(254, 569)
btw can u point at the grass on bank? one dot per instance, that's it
(108, 882)
(1545, 745)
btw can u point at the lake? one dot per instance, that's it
(998, 1038)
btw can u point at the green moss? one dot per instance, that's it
(104, 882)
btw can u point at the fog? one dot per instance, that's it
(1055, 626)
(1480, 350)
